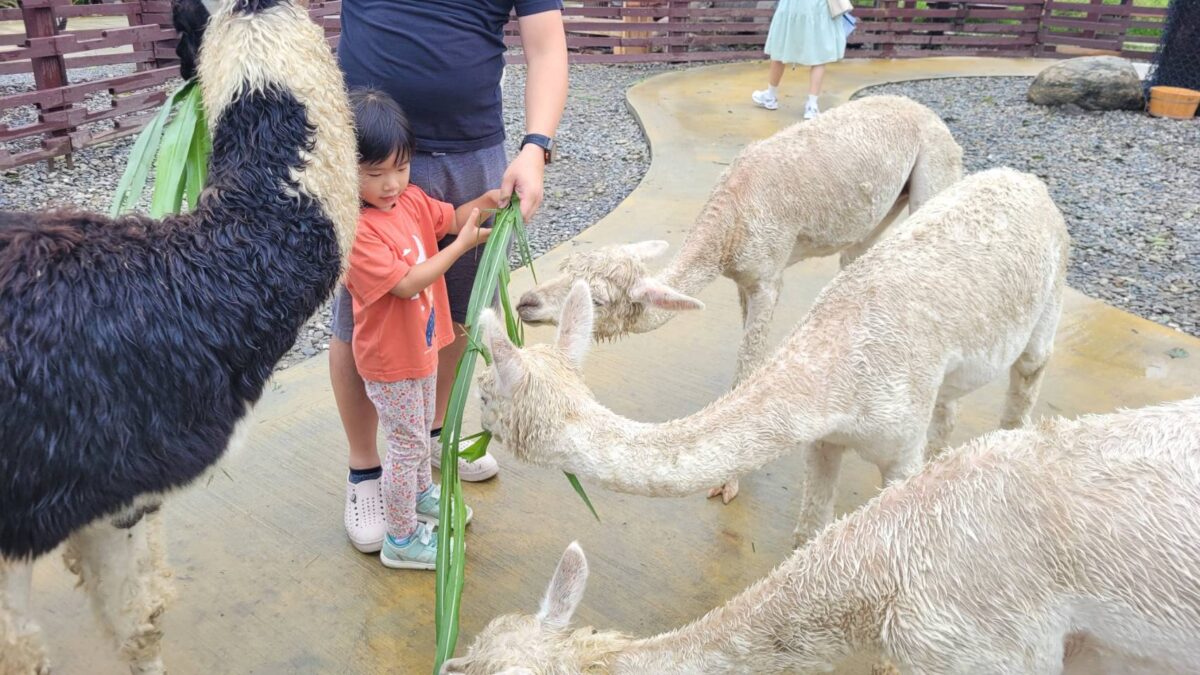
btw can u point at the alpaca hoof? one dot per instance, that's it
(727, 491)
(801, 540)
(151, 667)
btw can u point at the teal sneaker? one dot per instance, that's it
(420, 553)
(429, 506)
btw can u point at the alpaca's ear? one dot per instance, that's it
(456, 666)
(565, 590)
(506, 358)
(646, 250)
(652, 292)
(575, 323)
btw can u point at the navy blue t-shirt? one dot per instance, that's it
(440, 59)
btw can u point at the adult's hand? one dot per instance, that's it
(524, 176)
(545, 46)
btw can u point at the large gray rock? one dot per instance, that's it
(1090, 82)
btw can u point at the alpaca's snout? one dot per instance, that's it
(531, 309)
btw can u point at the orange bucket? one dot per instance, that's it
(1174, 102)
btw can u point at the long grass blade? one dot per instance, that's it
(477, 448)
(524, 252)
(582, 495)
(141, 156)
(198, 153)
(491, 276)
(171, 165)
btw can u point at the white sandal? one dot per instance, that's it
(366, 521)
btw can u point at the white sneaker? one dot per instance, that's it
(366, 522)
(811, 111)
(473, 472)
(765, 99)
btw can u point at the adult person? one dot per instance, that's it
(443, 62)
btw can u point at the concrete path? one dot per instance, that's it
(268, 584)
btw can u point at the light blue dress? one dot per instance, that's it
(803, 33)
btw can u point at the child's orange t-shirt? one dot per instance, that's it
(398, 338)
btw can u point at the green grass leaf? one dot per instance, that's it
(197, 159)
(171, 165)
(582, 495)
(141, 157)
(491, 276)
(477, 449)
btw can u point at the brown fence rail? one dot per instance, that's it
(63, 112)
(60, 115)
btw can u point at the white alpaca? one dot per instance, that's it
(967, 287)
(816, 188)
(813, 189)
(1071, 547)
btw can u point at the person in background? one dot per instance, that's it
(802, 33)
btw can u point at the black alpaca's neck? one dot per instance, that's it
(280, 246)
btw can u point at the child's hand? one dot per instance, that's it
(471, 234)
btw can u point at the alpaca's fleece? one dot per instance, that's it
(1070, 547)
(289, 54)
(132, 349)
(966, 289)
(816, 188)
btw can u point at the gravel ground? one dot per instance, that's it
(602, 157)
(1128, 185)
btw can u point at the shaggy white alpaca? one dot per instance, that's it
(969, 286)
(1071, 547)
(816, 188)
(778, 202)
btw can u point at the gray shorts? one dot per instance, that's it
(451, 177)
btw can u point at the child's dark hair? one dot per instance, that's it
(380, 126)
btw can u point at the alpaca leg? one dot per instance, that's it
(824, 460)
(1025, 375)
(761, 299)
(124, 572)
(938, 166)
(20, 649)
(908, 461)
(945, 416)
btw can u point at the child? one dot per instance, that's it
(401, 320)
(802, 32)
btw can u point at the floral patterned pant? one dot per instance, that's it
(406, 411)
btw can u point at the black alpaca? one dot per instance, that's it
(131, 348)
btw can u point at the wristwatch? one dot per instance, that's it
(544, 142)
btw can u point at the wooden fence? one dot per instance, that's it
(61, 115)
